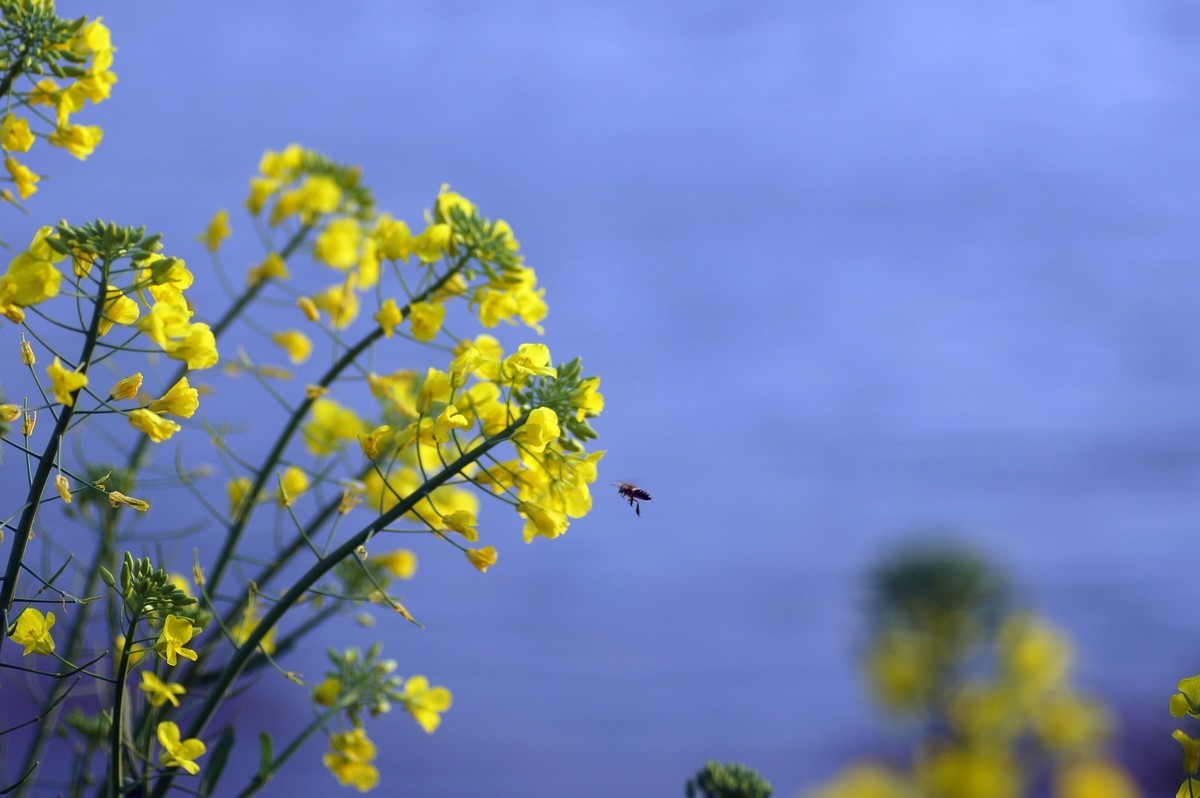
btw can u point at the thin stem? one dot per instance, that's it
(260, 778)
(45, 466)
(243, 653)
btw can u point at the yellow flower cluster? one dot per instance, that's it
(91, 45)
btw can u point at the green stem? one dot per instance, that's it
(46, 464)
(233, 537)
(115, 751)
(261, 779)
(243, 653)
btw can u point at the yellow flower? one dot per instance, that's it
(176, 633)
(79, 140)
(116, 498)
(217, 231)
(292, 483)
(261, 188)
(868, 781)
(432, 243)
(425, 703)
(350, 759)
(339, 243)
(248, 623)
(27, 356)
(159, 692)
(388, 317)
(463, 522)
(272, 266)
(330, 425)
(327, 692)
(155, 426)
(63, 486)
(297, 345)
(369, 441)
(25, 178)
(119, 309)
(31, 276)
(539, 429)
(181, 400)
(1033, 653)
(449, 419)
(400, 563)
(15, 134)
(529, 360)
(33, 632)
(64, 383)
(587, 400)
(177, 752)
(198, 348)
(435, 388)
(426, 319)
(308, 308)
(392, 239)
(318, 194)
(237, 490)
(543, 521)
(482, 559)
(340, 302)
(10, 412)
(1094, 778)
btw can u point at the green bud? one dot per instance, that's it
(107, 576)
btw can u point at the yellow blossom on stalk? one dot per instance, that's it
(308, 308)
(327, 692)
(27, 356)
(116, 498)
(432, 243)
(1094, 777)
(31, 276)
(181, 400)
(292, 483)
(541, 521)
(462, 522)
(33, 632)
(435, 388)
(1187, 700)
(392, 238)
(538, 430)
(63, 486)
(1191, 750)
(587, 400)
(340, 302)
(297, 345)
(330, 425)
(447, 421)
(868, 781)
(25, 178)
(217, 231)
(482, 559)
(64, 383)
(1033, 653)
(177, 752)
(369, 441)
(159, 692)
(119, 309)
(157, 428)
(261, 188)
(28, 423)
(1066, 721)
(243, 628)
(175, 635)
(317, 195)
(10, 412)
(447, 201)
(280, 165)
(339, 243)
(166, 273)
(388, 317)
(400, 563)
(273, 266)
(168, 318)
(79, 140)
(426, 319)
(979, 772)
(237, 489)
(530, 360)
(350, 759)
(15, 135)
(426, 703)
(198, 348)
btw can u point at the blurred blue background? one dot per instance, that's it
(849, 271)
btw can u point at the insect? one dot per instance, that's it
(635, 495)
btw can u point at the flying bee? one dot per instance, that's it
(634, 494)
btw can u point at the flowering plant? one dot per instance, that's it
(132, 658)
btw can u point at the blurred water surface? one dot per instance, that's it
(849, 271)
